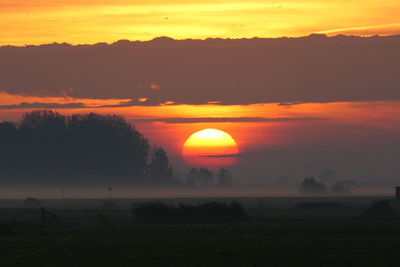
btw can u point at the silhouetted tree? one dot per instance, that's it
(311, 186)
(45, 146)
(159, 169)
(224, 178)
(192, 177)
(200, 178)
(205, 177)
(8, 146)
(106, 145)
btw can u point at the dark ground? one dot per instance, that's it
(278, 235)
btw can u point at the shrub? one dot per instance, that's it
(207, 212)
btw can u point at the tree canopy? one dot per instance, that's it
(45, 146)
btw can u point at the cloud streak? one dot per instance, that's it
(225, 119)
(26, 105)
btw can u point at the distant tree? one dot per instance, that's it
(311, 186)
(326, 175)
(224, 178)
(160, 170)
(205, 177)
(178, 177)
(192, 177)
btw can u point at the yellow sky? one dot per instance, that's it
(89, 21)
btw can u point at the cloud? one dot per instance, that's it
(314, 69)
(290, 103)
(25, 105)
(61, 100)
(222, 156)
(225, 119)
(391, 28)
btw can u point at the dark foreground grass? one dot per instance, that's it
(322, 242)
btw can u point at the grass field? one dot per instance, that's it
(277, 235)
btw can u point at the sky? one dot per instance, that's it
(92, 21)
(319, 99)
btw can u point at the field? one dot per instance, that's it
(277, 234)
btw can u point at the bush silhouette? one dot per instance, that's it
(380, 208)
(207, 212)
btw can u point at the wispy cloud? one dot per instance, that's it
(23, 101)
(226, 119)
(222, 156)
(380, 28)
(43, 106)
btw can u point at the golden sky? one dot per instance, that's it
(89, 21)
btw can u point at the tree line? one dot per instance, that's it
(203, 177)
(326, 184)
(45, 146)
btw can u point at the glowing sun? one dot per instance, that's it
(210, 148)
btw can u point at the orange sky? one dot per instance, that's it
(257, 125)
(89, 21)
(341, 125)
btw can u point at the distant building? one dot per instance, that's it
(398, 193)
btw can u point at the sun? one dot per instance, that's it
(210, 148)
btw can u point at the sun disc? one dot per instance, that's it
(211, 148)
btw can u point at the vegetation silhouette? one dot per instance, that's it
(206, 212)
(380, 208)
(203, 177)
(310, 186)
(47, 147)
(224, 178)
(315, 206)
(160, 171)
